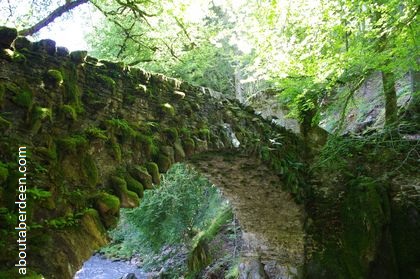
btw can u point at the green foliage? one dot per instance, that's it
(199, 255)
(72, 144)
(121, 127)
(38, 194)
(184, 204)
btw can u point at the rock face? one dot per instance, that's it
(97, 134)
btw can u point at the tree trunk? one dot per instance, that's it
(391, 110)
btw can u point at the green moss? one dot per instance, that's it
(107, 203)
(184, 133)
(54, 77)
(134, 185)
(22, 97)
(4, 172)
(133, 198)
(164, 163)
(40, 113)
(171, 134)
(72, 144)
(38, 194)
(204, 134)
(141, 174)
(96, 133)
(117, 151)
(69, 112)
(90, 170)
(153, 169)
(119, 184)
(109, 82)
(73, 92)
(168, 109)
(121, 127)
(149, 146)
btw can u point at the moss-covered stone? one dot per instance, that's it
(107, 81)
(140, 173)
(171, 134)
(167, 109)
(72, 144)
(164, 163)
(134, 185)
(153, 169)
(117, 153)
(22, 97)
(69, 112)
(90, 170)
(72, 89)
(54, 77)
(108, 207)
(96, 133)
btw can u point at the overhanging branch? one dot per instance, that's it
(51, 17)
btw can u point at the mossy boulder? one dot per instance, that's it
(128, 198)
(153, 169)
(141, 174)
(164, 163)
(134, 185)
(108, 207)
(54, 78)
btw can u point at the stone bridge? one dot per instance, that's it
(98, 134)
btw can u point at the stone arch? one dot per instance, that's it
(96, 129)
(271, 220)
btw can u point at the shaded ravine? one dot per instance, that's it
(98, 267)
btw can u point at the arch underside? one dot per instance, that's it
(271, 221)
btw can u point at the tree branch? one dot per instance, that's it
(51, 17)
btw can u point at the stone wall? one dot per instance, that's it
(99, 133)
